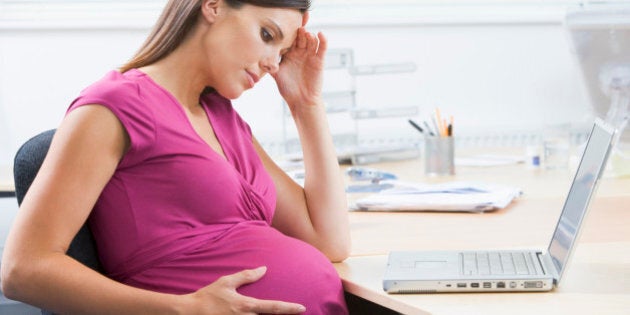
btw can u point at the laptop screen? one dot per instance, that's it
(591, 166)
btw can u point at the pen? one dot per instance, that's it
(426, 124)
(437, 127)
(416, 126)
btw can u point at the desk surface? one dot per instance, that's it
(598, 278)
(6, 179)
(596, 282)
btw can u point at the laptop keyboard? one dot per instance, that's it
(499, 263)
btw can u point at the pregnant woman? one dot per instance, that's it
(189, 214)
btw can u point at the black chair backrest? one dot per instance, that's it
(28, 160)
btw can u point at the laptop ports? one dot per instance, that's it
(533, 284)
(474, 285)
(501, 285)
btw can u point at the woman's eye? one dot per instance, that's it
(265, 35)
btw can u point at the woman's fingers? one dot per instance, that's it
(222, 297)
(323, 44)
(301, 40)
(271, 307)
(243, 277)
(256, 306)
(312, 43)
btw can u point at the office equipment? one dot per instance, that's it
(431, 132)
(601, 42)
(416, 126)
(439, 155)
(371, 174)
(374, 176)
(347, 117)
(507, 270)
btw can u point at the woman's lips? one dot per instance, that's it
(252, 78)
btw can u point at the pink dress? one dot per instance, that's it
(176, 215)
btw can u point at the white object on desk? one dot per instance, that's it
(489, 160)
(6, 177)
(453, 196)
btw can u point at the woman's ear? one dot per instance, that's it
(210, 9)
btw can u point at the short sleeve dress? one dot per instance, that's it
(176, 215)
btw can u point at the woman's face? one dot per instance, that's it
(242, 45)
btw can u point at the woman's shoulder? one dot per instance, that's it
(113, 86)
(120, 93)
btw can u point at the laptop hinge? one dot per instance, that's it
(547, 263)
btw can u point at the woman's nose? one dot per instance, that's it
(271, 64)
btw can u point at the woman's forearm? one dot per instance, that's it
(323, 187)
(61, 284)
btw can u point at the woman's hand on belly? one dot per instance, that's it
(221, 297)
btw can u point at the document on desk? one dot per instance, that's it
(489, 160)
(451, 196)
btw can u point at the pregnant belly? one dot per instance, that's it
(296, 271)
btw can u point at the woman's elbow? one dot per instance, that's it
(12, 275)
(338, 257)
(338, 252)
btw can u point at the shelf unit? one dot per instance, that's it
(339, 94)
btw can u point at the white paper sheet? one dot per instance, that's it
(453, 196)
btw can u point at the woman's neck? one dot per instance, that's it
(177, 74)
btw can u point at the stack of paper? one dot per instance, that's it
(453, 196)
(489, 160)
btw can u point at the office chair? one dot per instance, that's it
(28, 160)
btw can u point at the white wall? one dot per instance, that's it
(498, 68)
(41, 71)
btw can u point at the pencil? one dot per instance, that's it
(440, 124)
(426, 124)
(437, 127)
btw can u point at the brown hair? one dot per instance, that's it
(177, 20)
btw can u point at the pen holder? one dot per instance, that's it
(439, 156)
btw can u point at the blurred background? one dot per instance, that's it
(503, 69)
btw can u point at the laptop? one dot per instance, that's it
(507, 270)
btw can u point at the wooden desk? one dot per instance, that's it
(596, 282)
